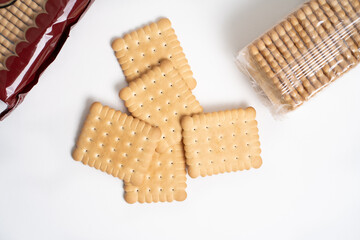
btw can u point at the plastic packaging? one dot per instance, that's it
(304, 53)
(32, 33)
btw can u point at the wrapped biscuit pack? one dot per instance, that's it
(304, 53)
(32, 33)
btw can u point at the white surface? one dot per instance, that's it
(307, 188)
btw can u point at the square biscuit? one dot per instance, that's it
(221, 142)
(116, 143)
(161, 97)
(165, 181)
(138, 51)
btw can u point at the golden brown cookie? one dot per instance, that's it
(221, 142)
(138, 51)
(161, 97)
(117, 144)
(165, 180)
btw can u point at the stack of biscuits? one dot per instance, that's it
(15, 20)
(167, 129)
(305, 52)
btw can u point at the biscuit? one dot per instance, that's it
(116, 143)
(350, 11)
(301, 55)
(286, 63)
(165, 179)
(348, 24)
(312, 83)
(332, 38)
(341, 31)
(161, 97)
(278, 63)
(138, 51)
(221, 142)
(312, 61)
(355, 4)
(15, 20)
(268, 79)
(324, 51)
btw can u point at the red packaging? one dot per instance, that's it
(32, 33)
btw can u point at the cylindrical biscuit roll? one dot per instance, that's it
(295, 45)
(309, 45)
(351, 31)
(19, 26)
(299, 51)
(293, 66)
(353, 22)
(330, 50)
(269, 72)
(352, 12)
(2, 54)
(333, 35)
(19, 14)
(318, 60)
(8, 35)
(2, 62)
(7, 46)
(356, 6)
(33, 5)
(24, 8)
(340, 30)
(11, 27)
(288, 49)
(272, 63)
(330, 61)
(283, 69)
(40, 3)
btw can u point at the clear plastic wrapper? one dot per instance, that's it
(32, 33)
(304, 53)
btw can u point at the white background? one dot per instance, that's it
(307, 188)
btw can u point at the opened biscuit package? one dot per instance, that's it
(32, 33)
(304, 53)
